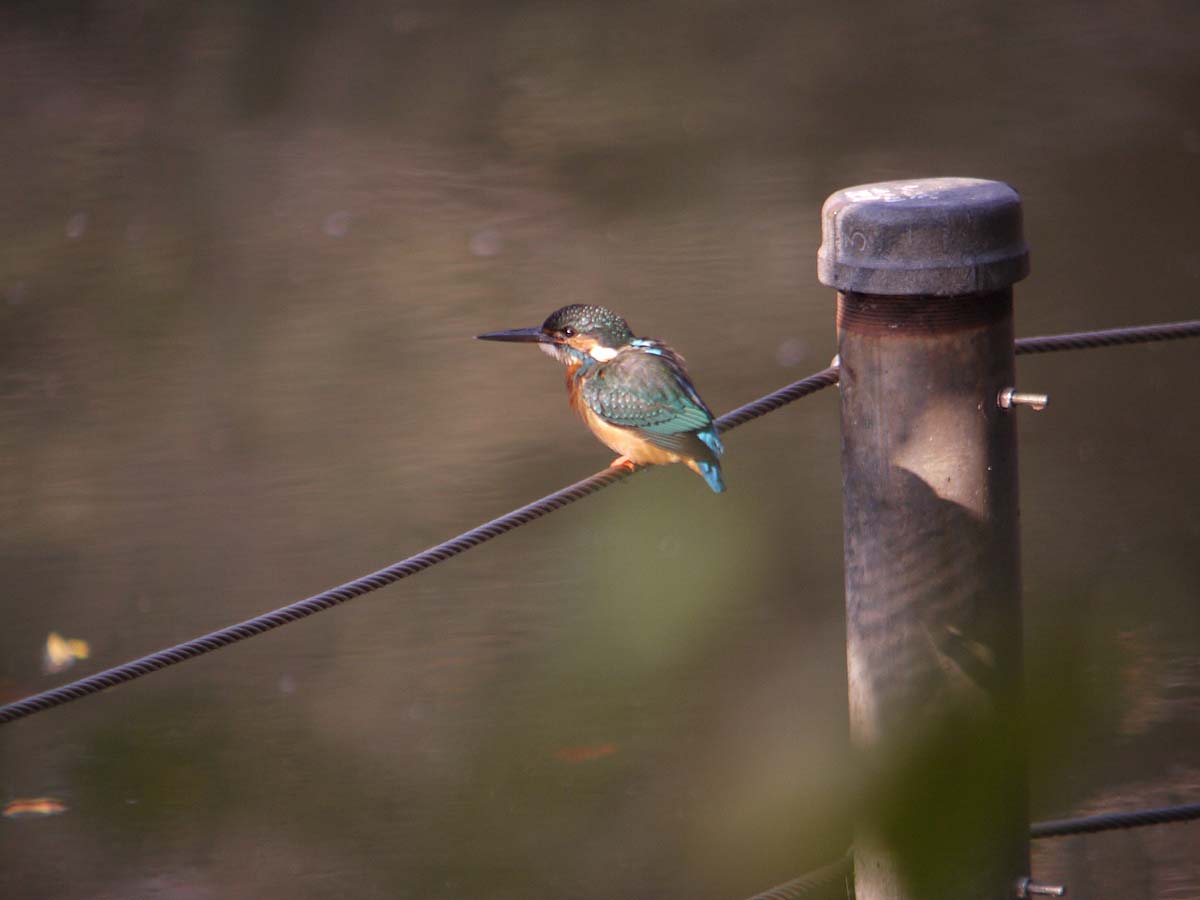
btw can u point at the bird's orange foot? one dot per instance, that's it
(623, 462)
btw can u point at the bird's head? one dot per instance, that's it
(576, 334)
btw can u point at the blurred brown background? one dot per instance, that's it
(244, 248)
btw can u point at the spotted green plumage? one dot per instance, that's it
(647, 389)
(609, 329)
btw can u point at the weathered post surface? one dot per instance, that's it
(924, 271)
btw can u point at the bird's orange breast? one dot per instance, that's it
(625, 441)
(575, 391)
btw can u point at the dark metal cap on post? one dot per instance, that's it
(933, 236)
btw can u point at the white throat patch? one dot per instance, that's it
(553, 350)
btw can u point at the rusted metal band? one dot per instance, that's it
(870, 314)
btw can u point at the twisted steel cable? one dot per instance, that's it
(388, 575)
(1109, 821)
(439, 553)
(1084, 340)
(818, 880)
(782, 397)
(318, 602)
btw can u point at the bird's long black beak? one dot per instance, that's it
(519, 335)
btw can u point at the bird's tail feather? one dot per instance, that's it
(712, 441)
(711, 473)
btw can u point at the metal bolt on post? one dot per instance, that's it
(1027, 888)
(924, 272)
(1010, 397)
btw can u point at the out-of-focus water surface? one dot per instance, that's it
(243, 250)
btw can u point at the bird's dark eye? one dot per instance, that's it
(568, 331)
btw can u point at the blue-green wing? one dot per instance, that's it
(649, 392)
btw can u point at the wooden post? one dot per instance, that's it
(924, 271)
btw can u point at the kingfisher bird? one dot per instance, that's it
(633, 393)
